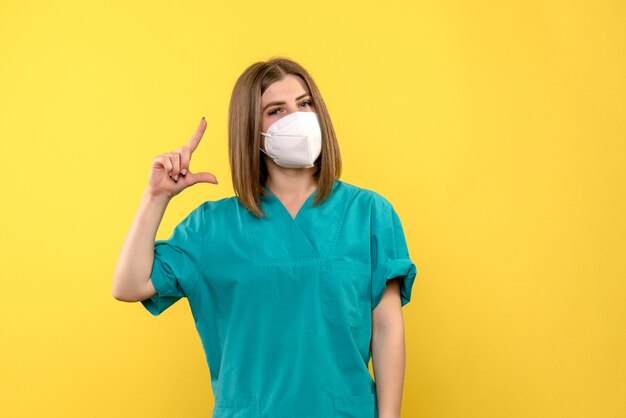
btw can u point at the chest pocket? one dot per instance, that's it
(236, 408)
(361, 406)
(344, 291)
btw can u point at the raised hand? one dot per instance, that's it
(170, 173)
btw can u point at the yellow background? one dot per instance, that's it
(497, 130)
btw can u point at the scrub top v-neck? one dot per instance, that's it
(307, 201)
(283, 305)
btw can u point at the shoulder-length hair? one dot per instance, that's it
(248, 168)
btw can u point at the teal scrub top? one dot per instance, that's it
(282, 305)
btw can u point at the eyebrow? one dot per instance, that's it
(277, 103)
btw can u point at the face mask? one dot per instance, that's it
(294, 140)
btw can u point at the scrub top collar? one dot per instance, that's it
(314, 230)
(274, 204)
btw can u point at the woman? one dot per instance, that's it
(296, 281)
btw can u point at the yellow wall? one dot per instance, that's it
(497, 130)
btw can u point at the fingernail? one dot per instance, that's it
(202, 117)
(183, 171)
(216, 182)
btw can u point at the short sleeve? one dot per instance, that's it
(177, 263)
(390, 256)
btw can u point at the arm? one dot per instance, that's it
(388, 351)
(131, 281)
(169, 175)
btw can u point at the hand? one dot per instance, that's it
(170, 173)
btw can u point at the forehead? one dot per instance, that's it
(288, 88)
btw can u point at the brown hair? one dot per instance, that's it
(248, 168)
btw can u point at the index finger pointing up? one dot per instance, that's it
(195, 139)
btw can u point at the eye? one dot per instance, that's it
(308, 102)
(273, 111)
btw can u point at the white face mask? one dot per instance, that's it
(294, 140)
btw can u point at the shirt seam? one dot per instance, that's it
(192, 292)
(331, 249)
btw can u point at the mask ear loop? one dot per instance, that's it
(261, 148)
(263, 151)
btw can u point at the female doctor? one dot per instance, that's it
(297, 280)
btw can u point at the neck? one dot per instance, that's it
(289, 181)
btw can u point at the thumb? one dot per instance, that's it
(200, 178)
